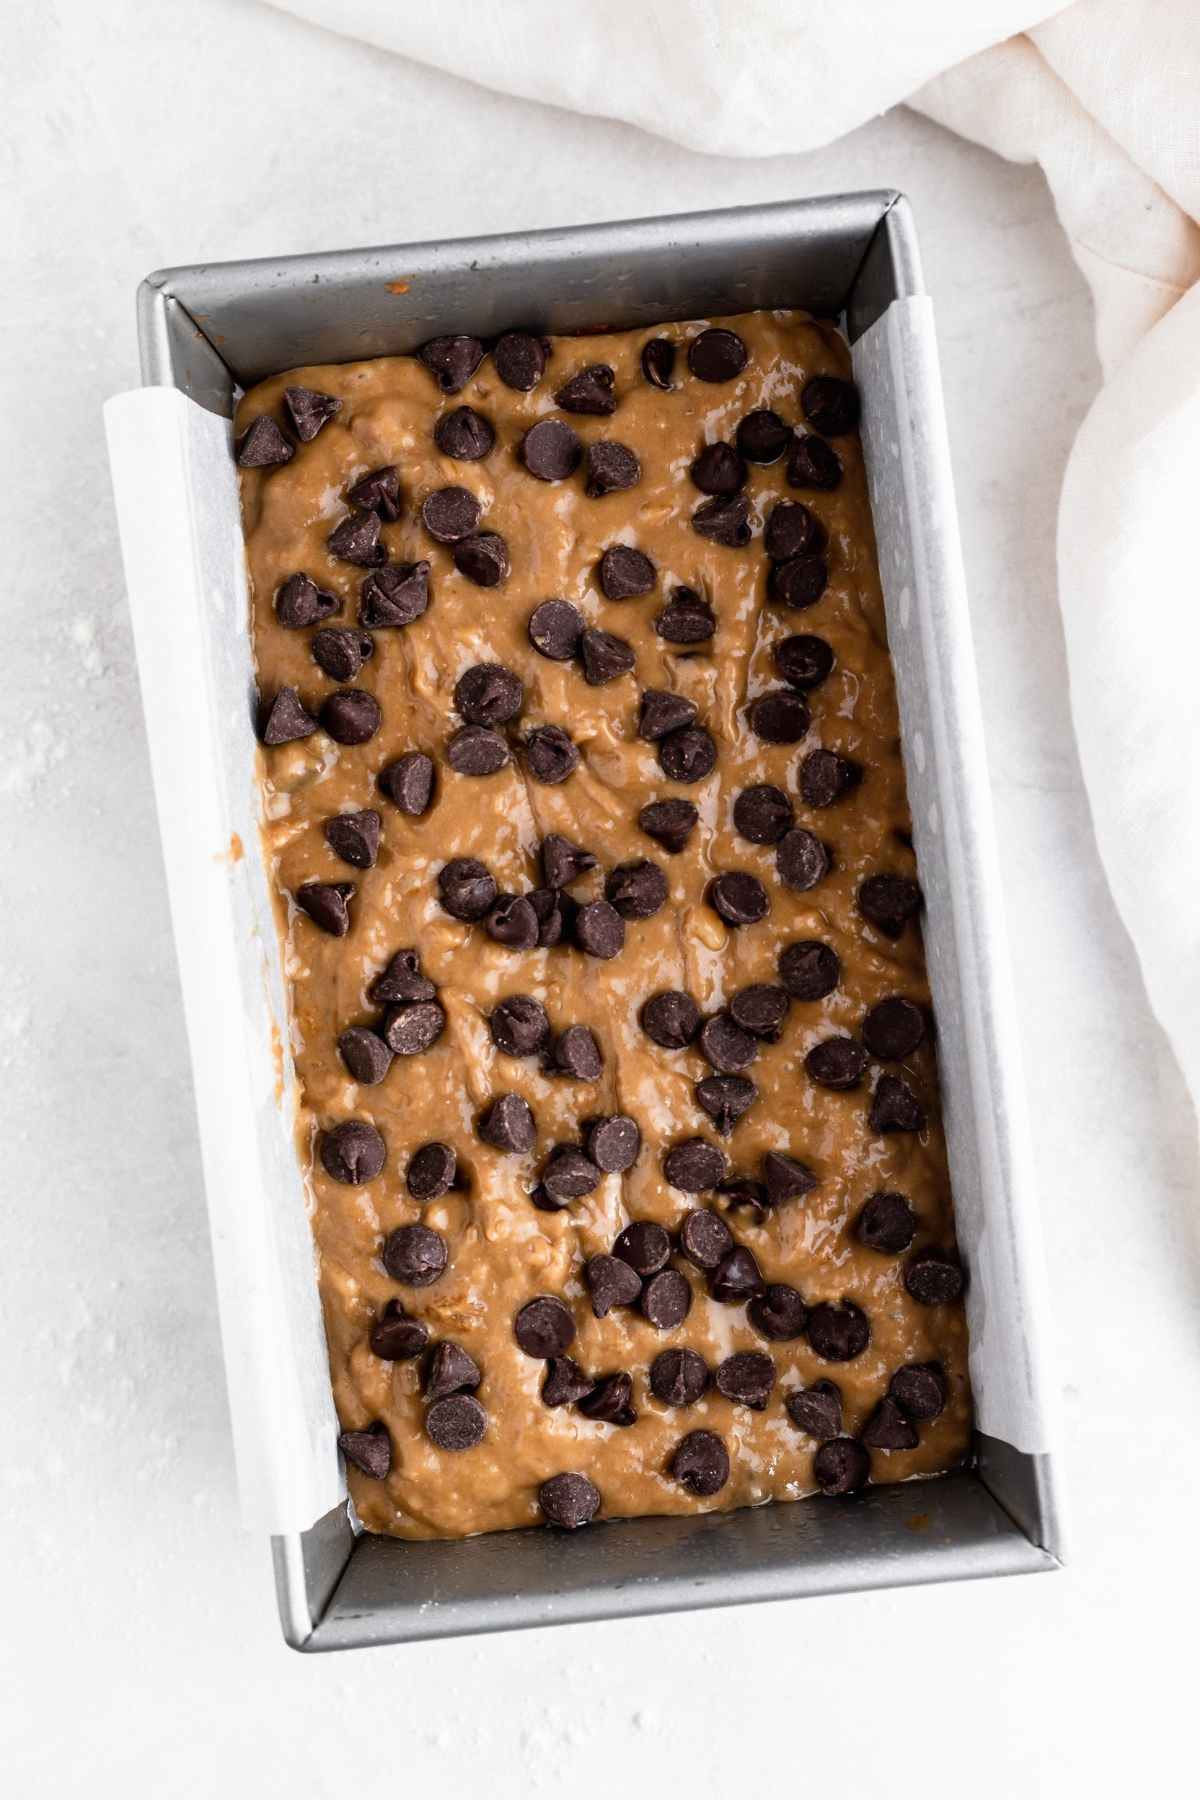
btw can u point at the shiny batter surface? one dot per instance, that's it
(503, 1250)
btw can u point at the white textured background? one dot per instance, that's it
(139, 1652)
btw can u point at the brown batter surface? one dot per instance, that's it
(502, 1249)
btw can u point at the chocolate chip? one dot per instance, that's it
(830, 405)
(725, 1045)
(456, 1423)
(408, 782)
(556, 914)
(888, 1429)
(513, 922)
(300, 603)
(508, 1124)
(792, 529)
(825, 777)
(600, 930)
(704, 1238)
(741, 1193)
(836, 1062)
(645, 1246)
(353, 1152)
(285, 719)
(666, 1299)
(780, 717)
(519, 1025)
(569, 1175)
(394, 596)
(550, 754)
(670, 1019)
(483, 559)
(544, 1327)
(309, 411)
(551, 450)
(450, 514)
(565, 1382)
(886, 1223)
(669, 822)
(778, 1312)
(686, 619)
(611, 1400)
(725, 1098)
(351, 716)
(411, 1030)
(893, 1028)
(370, 1451)
(327, 904)
(613, 1143)
(716, 355)
(919, 1390)
(661, 711)
(577, 1054)
(724, 521)
(838, 1330)
(888, 902)
(555, 628)
(395, 1337)
(489, 694)
(841, 1466)
(700, 1463)
(476, 751)
(415, 1255)
(365, 1054)
(813, 464)
(401, 981)
(687, 755)
(449, 1370)
(264, 445)
(451, 360)
(341, 651)
(624, 573)
(611, 1282)
(519, 359)
(800, 582)
(695, 1166)
(809, 969)
(432, 1171)
(589, 391)
(610, 468)
(737, 1277)
(658, 361)
(637, 889)
(894, 1106)
(816, 1409)
(762, 436)
(678, 1377)
(746, 1378)
(356, 540)
(760, 1009)
(569, 1500)
(801, 859)
(378, 492)
(933, 1277)
(466, 890)
(803, 661)
(786, 1178)
(763, 814)
(739, 898)
(604, 656)
(562, 861)
(719, 470)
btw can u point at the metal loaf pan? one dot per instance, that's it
(213, 330)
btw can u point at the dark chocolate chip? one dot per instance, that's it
(669, 822)
(894, 1106)
(264, 445)
(893, 1028)
(780, 717)
(611, 1400)
(825, 777)
(610, 468)
(432, 1171)
(449, 1370)
(411, 1030)
(786, 1178)
(408, 782)
(813, 464)
(309, 411)
(613, 1143)
(611, 1282)
(737, 1277)
(741, 1193)
(341, 651)
(725, 1045)
(569, 1175)
(686, 618)
(551, 450)
(365, 1054)
(351, 716)
(327, 904)
(716, 355)
(520, 360)
(887, 1223)
(667, 1299)
(600, 930)
(919, 1390)
(577, 1054)
(551, 755)
(637, 889)
(450, 514)
(700, 1463)
(816, 1410)
(800, 582)
(830, 405)
(719, 470)
(489, 694)
(378, 492)
(695, 1166)
(395, 1337)
(760, 1009)
(466, 890)
(555, 628)
(739, 898)
(888, 902)
(483, 559)
(933, 1277)
(456, 1423)
(838, 1331)
(563, 861)
(556, 913)
(401, 981)
(300, 603)
(809, 969)
(394, 596)
(725, 1098)
(778, 1312)
(356, 540)
(353, 1152)
(704, 1238)
(763, 814)
(804, 661)
(286, 719)
(661, 711)
(724, 521)
(624, 573)
(678, 1377)
(475, 750)
(841, 1466)
(888, 1429)
(589, 391)
(452, 360)
(792, 529)
(658, 362)
(513, 922)
(801, 859)
(544, 1327)
(670, 1019)
(508, 1124)
(687, 755)
(746, 1378)
(519, 1025)
(762, 436)
(414, 1255)
(836, 1062)
(605, 656)
(645, 1246)
(569, 1500)
(565, 1382)
(370, 1451)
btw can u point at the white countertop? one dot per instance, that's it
(139, 1617)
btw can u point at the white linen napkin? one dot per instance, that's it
(1105, 95)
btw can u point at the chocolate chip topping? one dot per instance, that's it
(555, 628)
(704, 1238)
(551, 450)
(894, 1106)
(365, 1054)
(661, 711)
(762, 436)
(778, 1312)
(678, 1377)
(700, 1463)
(569, 1500)
(747, 1378)
(352, 1152)
(780, 717)
(395, 1337)
(327, 904)
(841, 1466)
(544, 1327)
(888, 1429)
(550, 754)
(415, 1255)
(369, 1451)
(725, 1045)
(378, 492)
(513, 922)
(741, 1193)
(356, 540)
(886, 1223)
(466, 890)
(610, 468)
(809, 969)
(688, 755)
(670, 1019)
(613, 1143)
(838, 1330)
(792, 529)
(738, 897)
(456, 1423)
(476, 750)
(450, 514)
(589, 391)
(394, 597)
(309, 411)
(831, 405)
(686, 618)
(836, 1062)
(577, 1054)
(508, 1124)
(695, 1166)
(401, 981)
(798, 583)
(933, 1277)
(610, 1282)
(483, 559)
(825, 777)
(670, 822)
(816, 1409)
(666, 1299)
(725, 1098)
(919, 1390)
(341, 651)
(645, 1246)
(411, 1030)
(893, 1028)
(408, 782)
(801, 859)
(637, 889)
(264, 445)
(600, 930)
(489, 694)
(813, 464)
(449, 1369)
(354, 836)
(351, 716)
(658, 362)
(624, 573)
(724, 521)
(737, 1277)
(804, 661)
(761, 1010)
(452, 360)
(565, 1383)
(556, 914)
(719, 470)
(563, 861)
(519, 1025)
(519, 360)
(432, 1171)
(300, 603)
(716, 354)
(285, 719)
(610, 1401)
(604, 657)
(888, 902)
(569, 1175)
(786, 1178)
(763, 814)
